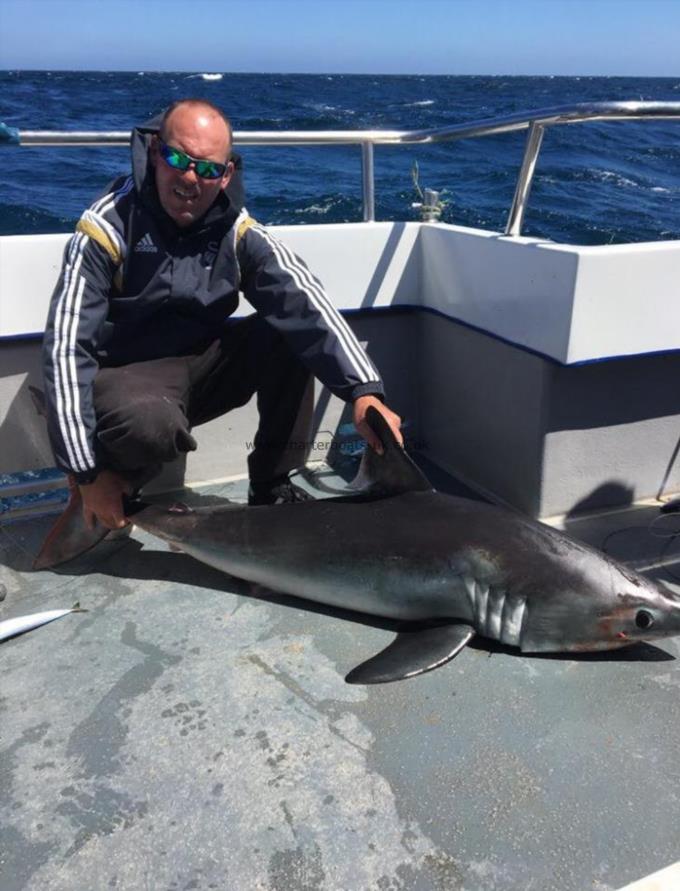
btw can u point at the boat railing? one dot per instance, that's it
(534, 122)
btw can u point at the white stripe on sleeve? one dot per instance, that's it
(67, 316)
(65, 379)
(304, 280)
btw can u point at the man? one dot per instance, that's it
(137, 349)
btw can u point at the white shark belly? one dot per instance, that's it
(386, 585)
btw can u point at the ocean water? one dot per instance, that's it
(596, 183)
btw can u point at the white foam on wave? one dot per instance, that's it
(313, 208)
(612, 176)
(206, 76)
(420, 103)
(323, 107)
(321, 208)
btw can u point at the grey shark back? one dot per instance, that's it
(398, 549)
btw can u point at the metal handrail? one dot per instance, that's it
(534, 122)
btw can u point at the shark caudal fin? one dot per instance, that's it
(391, 473)
(412, 653)
(70, 536)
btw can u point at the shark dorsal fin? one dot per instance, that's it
(391, 473)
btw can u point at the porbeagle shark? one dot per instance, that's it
(401, 550)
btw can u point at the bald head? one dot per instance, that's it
(200, 111)
(200, 130)
(198, 116)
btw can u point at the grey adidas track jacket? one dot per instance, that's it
(133, 287)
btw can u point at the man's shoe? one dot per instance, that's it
(277, 491)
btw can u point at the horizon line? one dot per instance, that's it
(139, 71)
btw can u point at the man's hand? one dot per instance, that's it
(361, 406)
(103, 500)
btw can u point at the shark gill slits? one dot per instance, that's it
(644, 619)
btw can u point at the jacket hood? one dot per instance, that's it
(229, 203)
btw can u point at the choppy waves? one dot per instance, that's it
(18, 219)
(595, 184)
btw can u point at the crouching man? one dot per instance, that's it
(139, 349)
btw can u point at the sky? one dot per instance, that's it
(568, 37)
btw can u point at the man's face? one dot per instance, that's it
(184, 195)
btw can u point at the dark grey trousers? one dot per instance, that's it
(145, 410)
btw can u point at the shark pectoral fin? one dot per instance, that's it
(412, 653)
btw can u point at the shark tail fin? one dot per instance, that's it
(70, 536)
(391, 473)
(412, 653)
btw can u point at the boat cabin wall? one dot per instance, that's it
(541, 374)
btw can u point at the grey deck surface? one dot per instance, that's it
(191, 732)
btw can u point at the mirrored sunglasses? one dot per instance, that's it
(179, 160)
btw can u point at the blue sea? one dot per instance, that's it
(596, 183)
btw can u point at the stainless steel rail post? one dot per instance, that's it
(367, 182)
(524, 180)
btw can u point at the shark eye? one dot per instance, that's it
(644, 619)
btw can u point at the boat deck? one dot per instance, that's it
(193, 732)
